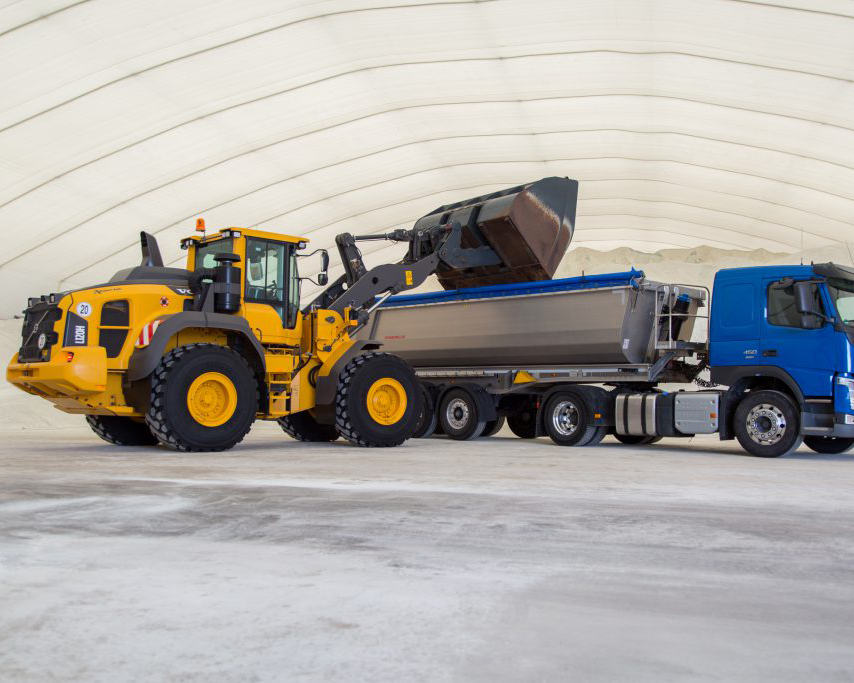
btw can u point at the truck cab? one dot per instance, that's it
(789, 329)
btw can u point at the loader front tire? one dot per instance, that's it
(203, 398)
(303, 427)
(378, 401)
(121, 431)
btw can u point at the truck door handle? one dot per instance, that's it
(769, 352)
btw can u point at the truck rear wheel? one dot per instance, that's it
(378, 400)
(523, 423)
(121, 431)
(494, 426)
(567, 420)
(203, 398)
(766, 424)
(427, 417)
(460, 416)
(829, 444)
(303, 427)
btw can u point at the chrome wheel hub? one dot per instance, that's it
(457, 413)
(766, 424)
(565, 418)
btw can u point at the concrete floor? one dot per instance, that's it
(440, 561)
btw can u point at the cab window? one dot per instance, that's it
(269, 276)
(205, 253)
(783, 307)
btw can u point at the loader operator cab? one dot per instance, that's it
(271, 275)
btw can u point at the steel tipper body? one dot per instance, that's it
(580, 357)
(190, 357)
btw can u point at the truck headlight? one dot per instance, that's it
(848, 383)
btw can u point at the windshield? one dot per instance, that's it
(842, 293)
(205, 252)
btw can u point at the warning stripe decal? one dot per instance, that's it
(145, 336)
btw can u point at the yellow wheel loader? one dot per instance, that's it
(190, 358)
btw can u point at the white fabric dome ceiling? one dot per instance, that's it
(721, 122)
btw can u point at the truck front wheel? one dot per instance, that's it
(829, 444)
(378, 400)
(567, 420)
(766, 424)
(121, 431)
(203, 398)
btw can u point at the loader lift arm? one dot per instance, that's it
(358, 288)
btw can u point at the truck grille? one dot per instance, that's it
(38, 335)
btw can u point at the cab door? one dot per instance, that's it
(271, 291)
(800, 345)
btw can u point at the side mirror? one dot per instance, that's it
(808, 306)
(323, 275)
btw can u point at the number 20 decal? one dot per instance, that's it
(84, 309)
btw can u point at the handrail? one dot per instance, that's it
(668, 295)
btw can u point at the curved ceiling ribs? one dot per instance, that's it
(681, 135)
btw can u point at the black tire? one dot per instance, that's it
(601, 433)
(169, 416)
(766, 424)
(121, 431)
(567, 420)
(428, 420)
(460, 416)
(523, 423)
(353, 417)
(636, 440)
(494, 426)
(829, 444)
(303, 427)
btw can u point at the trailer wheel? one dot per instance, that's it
(829, 444)
(459, 415)
(303, 427)
(494, 426)
(203, 398)
(567, 420)
(378, 400)
(524, 423)
(766, 424)
(636, 439)
(427, 417)
(121, 431)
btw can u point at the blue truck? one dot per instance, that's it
(579, 358)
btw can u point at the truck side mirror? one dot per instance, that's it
(808, 306)
(323, 275)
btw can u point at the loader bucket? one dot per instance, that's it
(528, 226)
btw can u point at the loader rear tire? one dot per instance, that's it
(378, 400)
(203, 398)
(303, 427)
(121, 431)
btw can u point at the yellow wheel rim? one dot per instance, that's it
(386, 401)
(212, 399)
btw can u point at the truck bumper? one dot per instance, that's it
(843, 425)
(85, 374)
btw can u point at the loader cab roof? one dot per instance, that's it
(232, 232)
